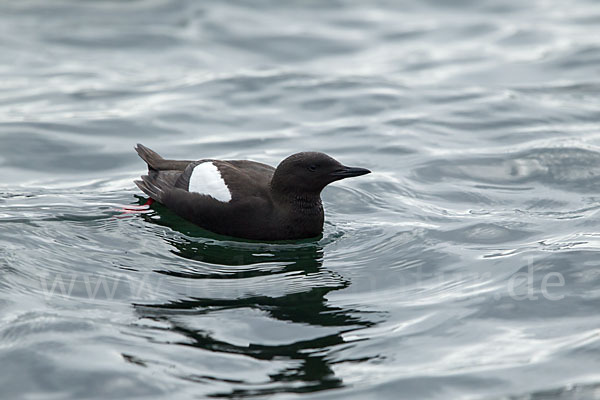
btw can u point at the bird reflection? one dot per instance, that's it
(311, 364)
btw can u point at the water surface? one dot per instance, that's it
(465, 266)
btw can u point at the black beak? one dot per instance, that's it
(348, 172)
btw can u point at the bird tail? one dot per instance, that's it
(152, 158)
(157, 163)
(162, 173)
(157, 184)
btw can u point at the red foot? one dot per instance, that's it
(135, 209)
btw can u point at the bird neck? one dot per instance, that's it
(302, 212)
(306, 204)
(301, 203)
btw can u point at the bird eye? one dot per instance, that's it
(312, 168)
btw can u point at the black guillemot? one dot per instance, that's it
(246, 199)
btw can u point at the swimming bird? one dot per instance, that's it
(246, 199)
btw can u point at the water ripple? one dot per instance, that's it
(465, 265)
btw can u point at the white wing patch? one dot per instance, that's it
(206, 179)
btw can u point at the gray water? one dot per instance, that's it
(466, 266)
